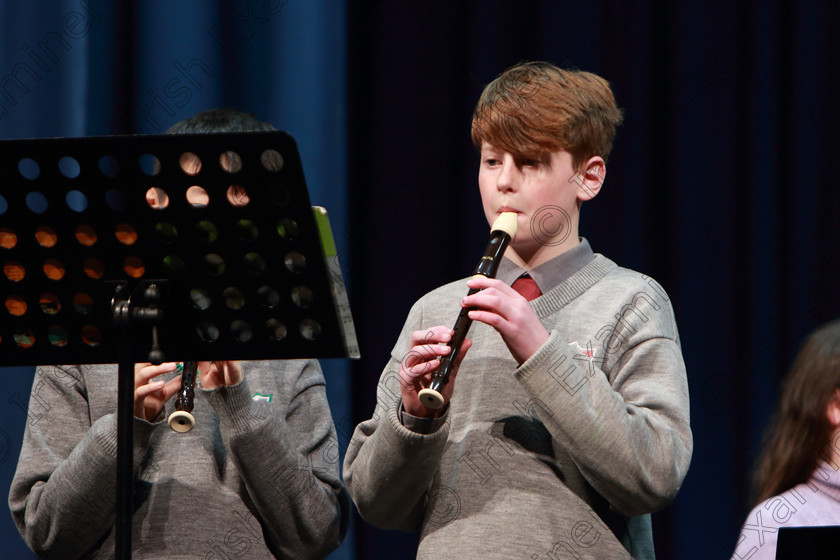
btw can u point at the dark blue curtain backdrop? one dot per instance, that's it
(93, 67)
(721, 185)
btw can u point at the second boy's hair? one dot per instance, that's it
(219, 120)
(535, 108)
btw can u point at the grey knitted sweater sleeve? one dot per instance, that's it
(257, 477)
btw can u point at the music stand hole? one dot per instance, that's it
(200, 298)
(247, 230)
(197, 197)
(54, 270)
(241, 331)
(208, 331)
(230, 162)
(279, 195)
(57, 336)
(126, 234)
(133, 267)
(276, 330)
(91, 336)
(36, 202)
(109, 166)
(214, 264)
(302, 296)
(237, 196)
(86, 236)
(234, 299)
(190, 163)
(50, 304)
(287, 229)
(16, 305)
(94, 268)
(268, 296)
(45, 236)
(29, 169)
(149, 164)
(271, 160)
(116, 200)
(83, 303)
(310, 329)
(174, 264)
(206, 231)
(8, 238)
(14, 271)
(156, 198)
(295, 262)
(69, 167)
(76, 201)
(166, 232)
(254, 263)
(24, 337)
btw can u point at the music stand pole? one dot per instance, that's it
(125, 317)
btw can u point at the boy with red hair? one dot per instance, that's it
(567, 422)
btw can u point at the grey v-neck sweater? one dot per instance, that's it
(257, 478)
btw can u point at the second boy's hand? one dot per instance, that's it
(218, 374)
(150, 393)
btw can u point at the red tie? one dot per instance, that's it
(526, 286)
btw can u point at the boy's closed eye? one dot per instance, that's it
(534, 160)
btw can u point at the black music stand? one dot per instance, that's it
(197, 247)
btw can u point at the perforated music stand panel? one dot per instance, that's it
(221, 223)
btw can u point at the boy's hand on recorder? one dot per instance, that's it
(504, 309)
(421, 361)
(219, 374)
(151, 394)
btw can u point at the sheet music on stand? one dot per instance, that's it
(204, 247)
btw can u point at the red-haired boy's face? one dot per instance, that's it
(543, 191)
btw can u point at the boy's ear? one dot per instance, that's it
(592, 175)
